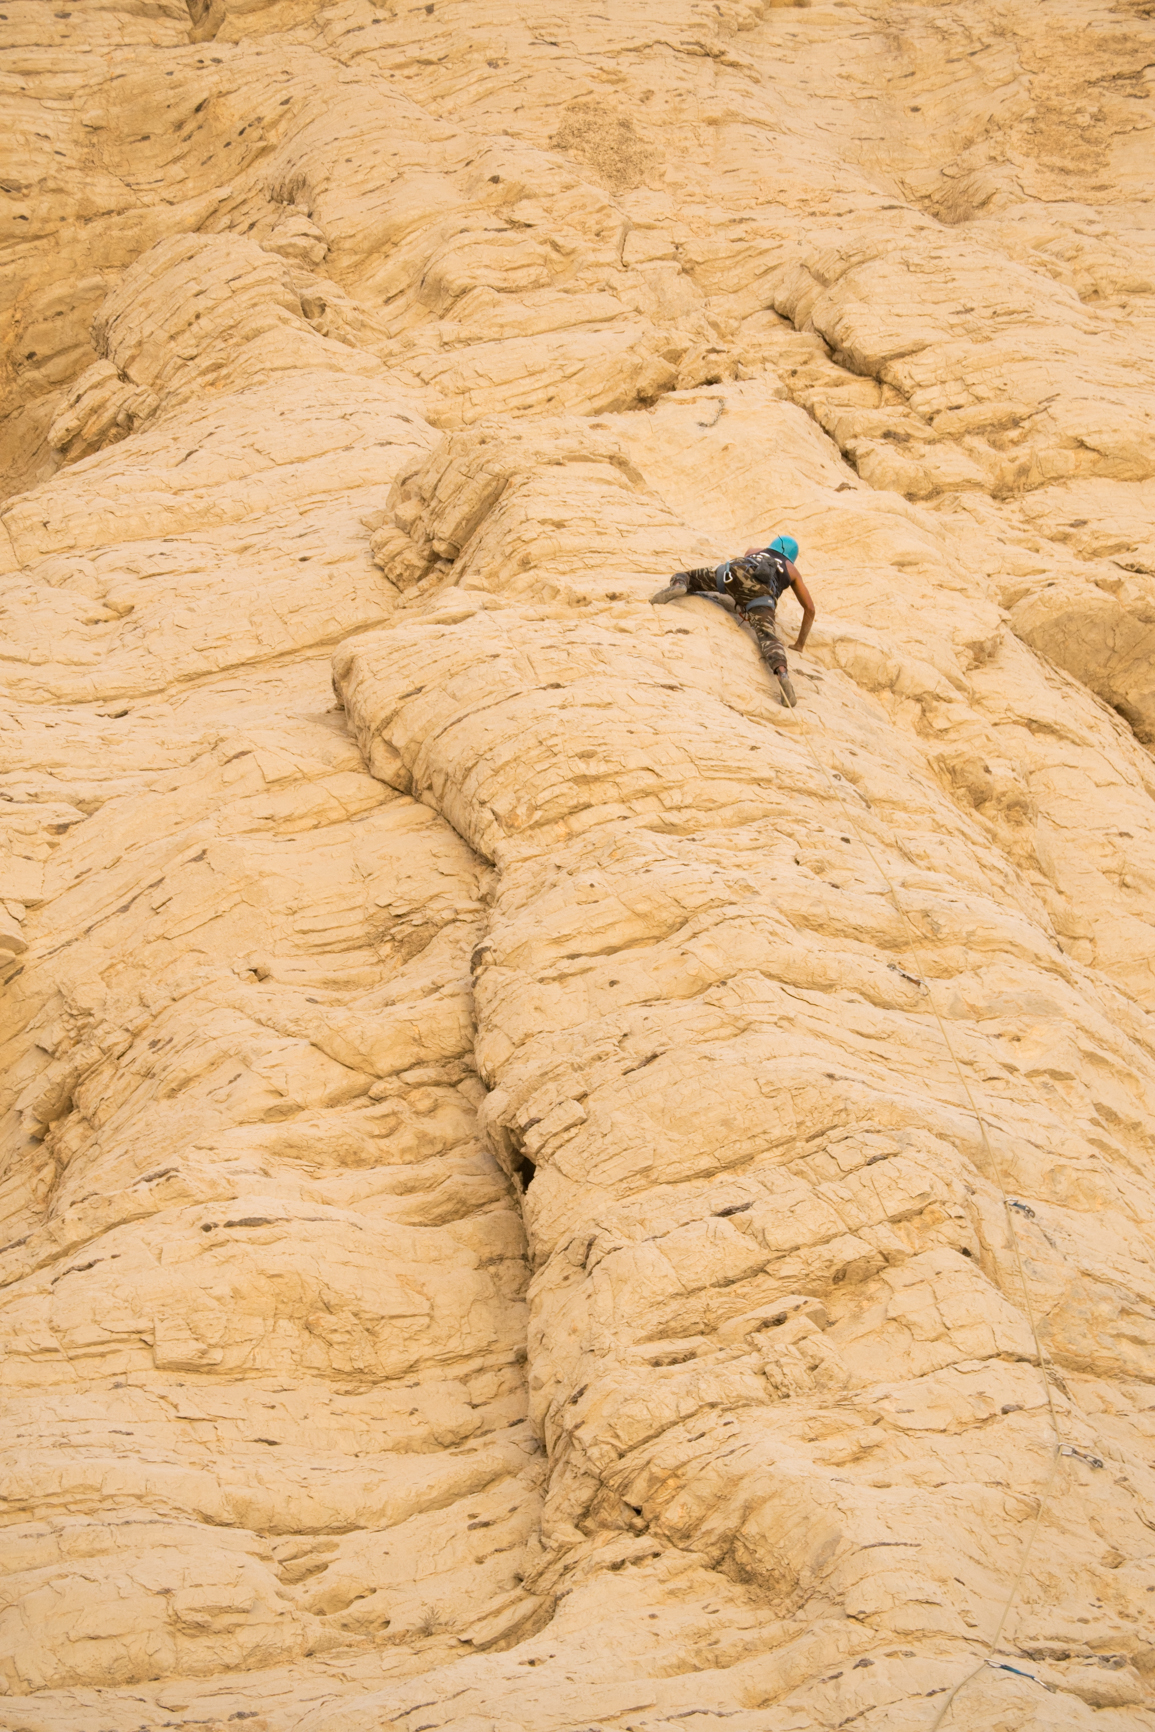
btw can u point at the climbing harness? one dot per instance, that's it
(724, 577)
(1060, 1448)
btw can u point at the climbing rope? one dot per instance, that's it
(1059, 1447)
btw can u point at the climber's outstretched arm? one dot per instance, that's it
(806, 602)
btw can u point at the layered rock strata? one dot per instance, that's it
(545, 1190)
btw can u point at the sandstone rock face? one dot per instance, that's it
(543, 1190)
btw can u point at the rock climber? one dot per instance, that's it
(754, 584)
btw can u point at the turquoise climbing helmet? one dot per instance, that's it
(785, 544)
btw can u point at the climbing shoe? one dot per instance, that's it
(789, 695)
(676, 587)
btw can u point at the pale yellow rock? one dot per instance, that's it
(541, 1189)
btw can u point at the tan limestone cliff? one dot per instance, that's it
(543, 1190)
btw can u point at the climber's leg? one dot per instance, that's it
(773, 651)
(678, 586)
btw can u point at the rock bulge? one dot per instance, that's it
(542, 1189)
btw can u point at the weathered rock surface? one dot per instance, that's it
(547, 1191)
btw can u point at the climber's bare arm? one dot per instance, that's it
(807, 605)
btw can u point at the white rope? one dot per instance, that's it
(996, 1167)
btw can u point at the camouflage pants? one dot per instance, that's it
(770, 645)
